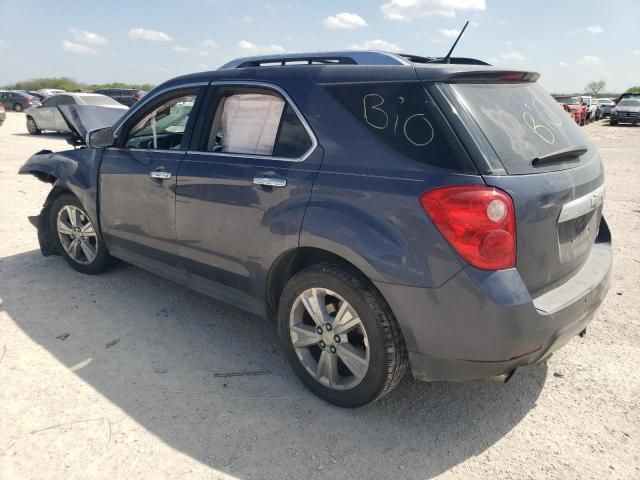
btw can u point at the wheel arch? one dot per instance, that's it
(297, 259)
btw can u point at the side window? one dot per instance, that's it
(50, 102)
(163, 128)
(404, 117)
(66, 100)
(257, 122)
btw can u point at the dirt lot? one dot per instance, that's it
(75, 405)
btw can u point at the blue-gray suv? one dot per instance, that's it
(391, 211)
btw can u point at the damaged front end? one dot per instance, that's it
(70, 171)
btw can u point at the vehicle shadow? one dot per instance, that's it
(173, 345)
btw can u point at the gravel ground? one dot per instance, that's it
(74, 404)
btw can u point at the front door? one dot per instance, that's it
(138, 183)
(242, 191)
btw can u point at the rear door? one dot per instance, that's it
(552, 172)
(138, 181)
(60, 124)
(242, 190)
(46, 114)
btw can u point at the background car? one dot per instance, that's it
(606, 105)
(3, 115)
(17, 101)
(47, 92)
(38, 95)
(626, 111)
(592, 108)
(575, 107)
(47, 116)
(126, 96)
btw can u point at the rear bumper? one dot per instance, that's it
(484, 324)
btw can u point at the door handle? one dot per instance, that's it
(160, 174)
(265, 181)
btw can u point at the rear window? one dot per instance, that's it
(404, 117)
(522, 122)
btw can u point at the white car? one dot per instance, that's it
(48, 92)
(592, 107)
(48, 117)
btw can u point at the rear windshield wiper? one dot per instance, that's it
(564, 154)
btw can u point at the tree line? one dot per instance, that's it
(70, 85)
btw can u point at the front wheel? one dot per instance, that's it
(17, 107)
(32, 127)
(340, 336)
(76, 237)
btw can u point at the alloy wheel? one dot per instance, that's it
(329, 339)
(31, 125)
(77, 235)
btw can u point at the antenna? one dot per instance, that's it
(447, 59)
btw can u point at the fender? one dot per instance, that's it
(75, 171)
(377, 245)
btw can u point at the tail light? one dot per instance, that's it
(1, 107)
(478, 222)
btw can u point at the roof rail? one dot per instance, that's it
(320, 58)
(347, 57)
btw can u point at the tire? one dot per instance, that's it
(612, 121)
(17, 108)
(368, 330)
(90, 255)
(32, 127)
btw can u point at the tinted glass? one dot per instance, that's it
(50, 102)
(164, 127)
(293, 140)
(521, 121)
(66, 100)
(629, 103)
(404, 116)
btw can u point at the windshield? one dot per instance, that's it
(522, 122)
(629, 103)
(99, 100)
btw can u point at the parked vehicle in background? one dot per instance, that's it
(17, 101)
(126, 96)
(387, 217)
(633, 96)
(38, 95)
(3, 114)
(605, 104)
(47, 92)
(592, 107)
(575, 106)
(47, 116)
(626, 111)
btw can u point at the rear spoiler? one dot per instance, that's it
(493, 76)
(82, 119)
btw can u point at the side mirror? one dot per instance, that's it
(102, 137)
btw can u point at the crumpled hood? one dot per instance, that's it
(82, 119)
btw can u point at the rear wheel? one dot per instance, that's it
(76, 237)
(340, 336)
(32, 127)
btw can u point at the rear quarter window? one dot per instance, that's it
(404, 117)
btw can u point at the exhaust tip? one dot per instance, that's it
(505, 377)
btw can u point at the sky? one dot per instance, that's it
(569, 42)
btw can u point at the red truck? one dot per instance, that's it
(575, 107)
